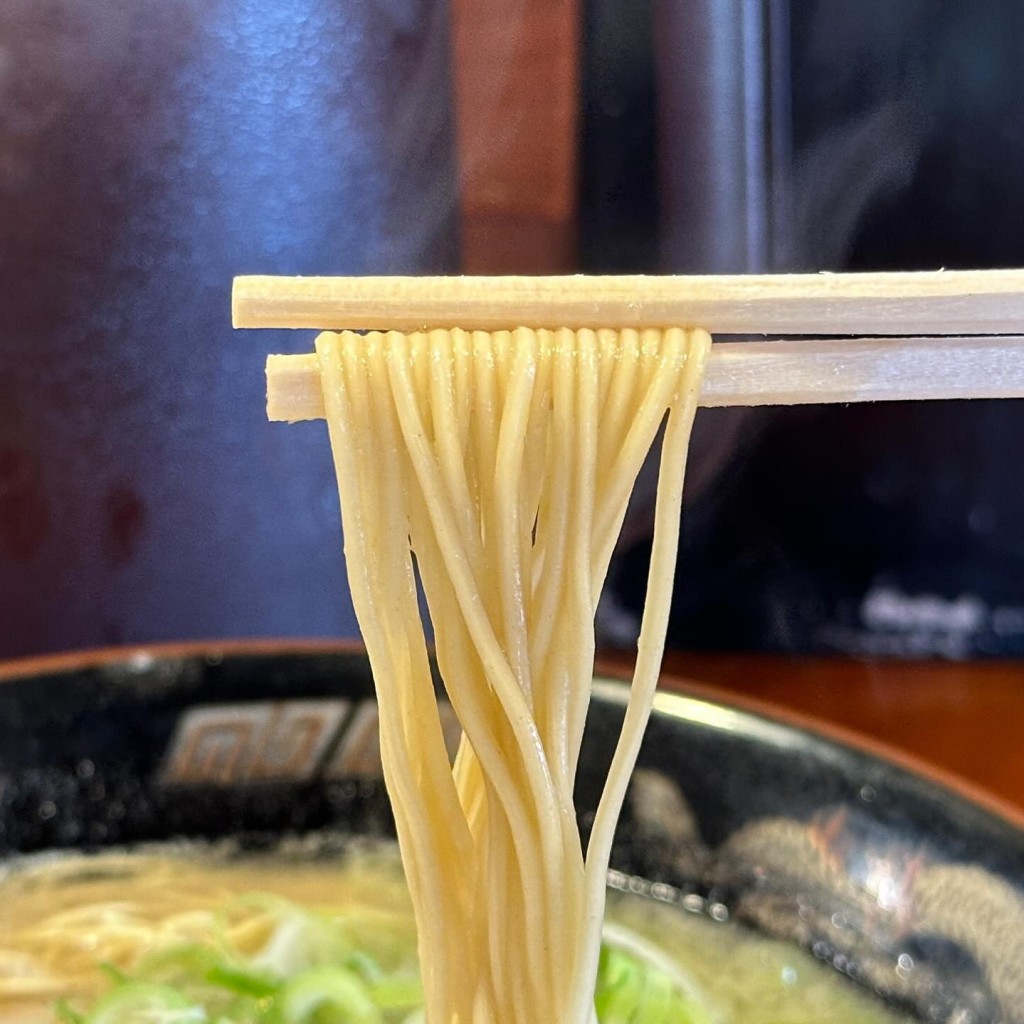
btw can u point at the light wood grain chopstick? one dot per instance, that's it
(920, 303)
(778, 373)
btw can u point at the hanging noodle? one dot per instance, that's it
(495, 469)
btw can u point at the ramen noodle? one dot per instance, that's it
(494, 470)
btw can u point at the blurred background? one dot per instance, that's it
(151, 151)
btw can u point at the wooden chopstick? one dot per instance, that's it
(920, 303)
(777, 373)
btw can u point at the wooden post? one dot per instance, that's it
(515, 72)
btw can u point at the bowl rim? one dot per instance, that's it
(669, 683)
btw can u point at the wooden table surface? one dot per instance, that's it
(965, 718)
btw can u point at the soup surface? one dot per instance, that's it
(179, 936)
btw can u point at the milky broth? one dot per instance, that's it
(64, 916)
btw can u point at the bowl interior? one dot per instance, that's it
(907, 887)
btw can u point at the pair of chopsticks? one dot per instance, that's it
(941, 334)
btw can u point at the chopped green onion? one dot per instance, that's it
(397, 992)
(364, 965)
(631, 989)
(67, 1014)
(242, 981)
(112, 971)
(327, 995)
(141, 1002)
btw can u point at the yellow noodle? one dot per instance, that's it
(503, 463)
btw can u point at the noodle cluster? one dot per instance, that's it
(493, 471)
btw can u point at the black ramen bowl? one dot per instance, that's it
(909, 887)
